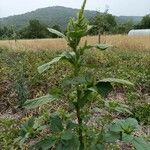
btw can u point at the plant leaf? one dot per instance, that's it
(70, 144)
(89, 27)
(104, 88)
(56, 32)
(111, 137)
(102, 46)
(81, 79)
(127, 126)
(56, 124)
(127, 138)
(140, 144)
(46, 66)
(67, 135)
(120, 81)
(132, 123)
(99, 147)
(44, 144)
(116, 126)
(70, 56)
(30, 104)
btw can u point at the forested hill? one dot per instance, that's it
(52, 16)
(123, 19)
(49, 16)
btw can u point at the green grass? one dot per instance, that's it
(21, 67)
(20, 79)
(8, 132)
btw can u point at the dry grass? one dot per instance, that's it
(120, 41)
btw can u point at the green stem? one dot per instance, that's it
(77, 107)
(80, 127)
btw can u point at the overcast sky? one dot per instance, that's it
(116, 7)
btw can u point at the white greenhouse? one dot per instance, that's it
(139, 32)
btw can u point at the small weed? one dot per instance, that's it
(8, 132)
(142, 113)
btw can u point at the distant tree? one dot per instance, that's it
(34, 30)
(103, 22)
(144, 24)
(14, 34)
(1, 32)
(6, 33)
(123, 28)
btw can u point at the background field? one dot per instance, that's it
(120, 41)
(129, 59)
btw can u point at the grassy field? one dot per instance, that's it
(119, 41)
(128, 59)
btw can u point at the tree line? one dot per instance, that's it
(106, 23)
(102, 23)
(35, 30)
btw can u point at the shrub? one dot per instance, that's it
(142, 113)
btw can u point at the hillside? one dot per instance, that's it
(52, 16)
(123, 19)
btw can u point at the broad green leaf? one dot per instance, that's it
(127, 126)
(140, 144)
(70, 144)
(67, 135)
(46, 66)
(102, 46)
(98, 46)
(116, 126)
(74, 81)
(70, 56)
(127, 138)
(56, 32)
(132, 122)
(82, 79)
(104, 88)
(30, 104)
(56, 124)
(99, 147)
(114, 80)
(45, 144)
(112, 137)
